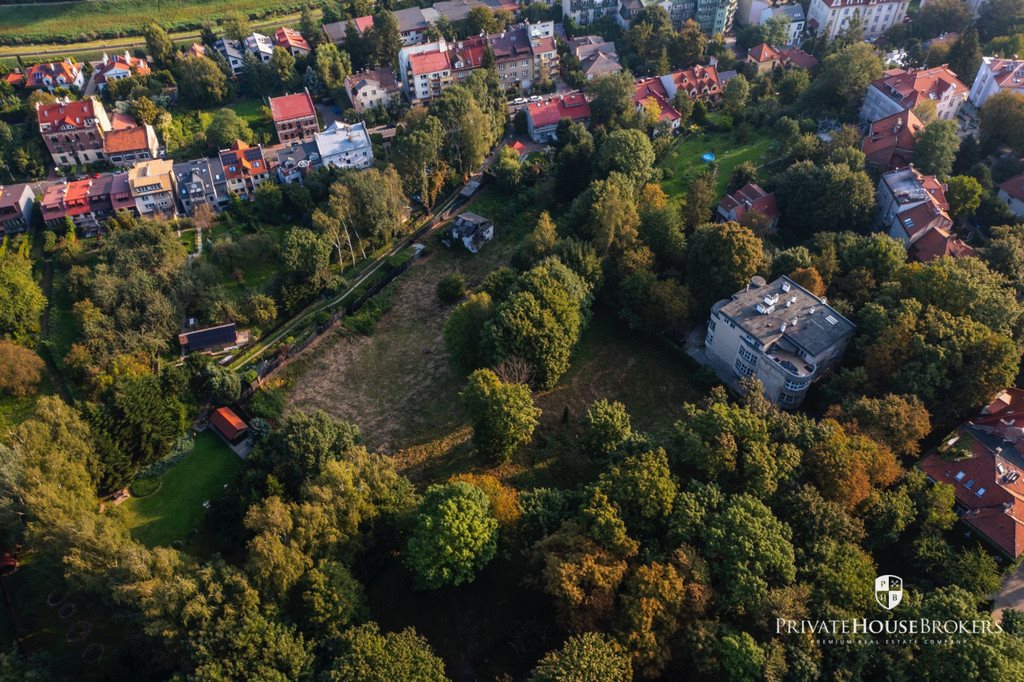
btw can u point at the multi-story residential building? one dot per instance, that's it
(891, 140)
(335, 32)
(291, 41)
(199, 182)
(830, 17)
(714, 16)
(294, 117)
(597, 56)
(584, 12)
(900, 89)
(86, 202)
(53, 75)
(15, 208)
(245, 168)
(650, 94)
(698, 82)
(260, 45)
(780, 333)
(994, 75)
(982, 462)
(342, 145)
(118, 67)
(292, 162)
(794, 14)
(912, 207)
(1012, 192)
(372, 89)
(125, 146)
(413, 23)
(233, 53)
(542, 117)
(527, 52)
(426, 70)
(73, 131)
(152, 187)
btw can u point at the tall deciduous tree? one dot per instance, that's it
(936, 148)
(590, 656)
(365, 654)
(454, 536)
(721, 259)
(502, 414)
(23, 300)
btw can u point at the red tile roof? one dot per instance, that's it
(242, 161)
(797, 57)
(290, 39)
(14, 78)
(573, 106)
(120, 121)
(936, 243)
(909, 87)
(890, 141)
(698, 81)
(652, 90)
(227, 422)
(1014, 187)
(750, 197)
(763, 52)
(429, 62)
(288, 107)
(127, 140)
(136, 65)
(37, 74)
(77, 114)
(1007, 73)
(989, 483)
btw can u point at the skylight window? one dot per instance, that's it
(969, 484)
(960, 476)
(981, 491)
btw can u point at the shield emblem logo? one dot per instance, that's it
(888, 591)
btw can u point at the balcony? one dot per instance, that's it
(790, 362)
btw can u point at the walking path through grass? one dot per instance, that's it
(176, 508)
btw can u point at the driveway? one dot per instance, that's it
(1011, 594)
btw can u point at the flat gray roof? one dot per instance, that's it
(762, 312)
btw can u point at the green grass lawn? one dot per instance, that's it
(685, 163)
(91, 19)
(176, 508)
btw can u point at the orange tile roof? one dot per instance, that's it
(126, 140)
(37, 74)
(288, 107)
(698, 81)
(573, 106)
(14, 78)
(1014, 187)
(936, 243)
(652, 90)
(751, 197)
(74, 114)
(909, 87)
(429, 62)
(763, 52)
(227, 422)
(136, 65)
(290, 39)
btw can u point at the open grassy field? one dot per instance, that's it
(684, 161)
(92, 19)
(400, 388)
(176, 508)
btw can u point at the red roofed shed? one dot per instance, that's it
(228, 424)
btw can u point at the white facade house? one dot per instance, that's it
(584, 12)
(345, 146)
(260, 45)
(779, 333)
(794, 14)
(830, 17)
(425, 70)
(994, 75)
(232, 52)
(901, 89)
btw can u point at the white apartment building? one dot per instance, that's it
(997, 74)
(901, 89)
(425, 70)
(345, 146)
(779, 333)
(830, 17)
